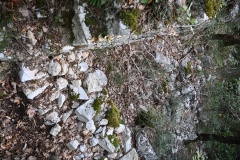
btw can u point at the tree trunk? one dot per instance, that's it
(214, 137)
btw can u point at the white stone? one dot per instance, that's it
(55, 130)
(43, 111)
(103, 131)
(160, 58)
(65, 66)
(187, 89)
(61, 100)
(78, 90)
(85, 112)
(132, 155)
(54, 68)
(61, 83)
(75, 105)
(93, 141)
(107, 145)
(67, 49)
(95, 81)
(83, 66)
(66, 115)
(127, 140)
(120, 129)
(51, 118)
(103, 122)
(54, 95)
(2, 55)
(83, 148)
(26, 74)
(185, 62)
(32, 94)
(99, 130)
(112, 155)
(199, 68)
(71, 57)
(72, 145)
(110, 130)
(72, 73)
(90, 126)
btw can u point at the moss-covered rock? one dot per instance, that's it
(130, 18)
(113, 115)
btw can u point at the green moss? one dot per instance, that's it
(130, 18)
(114, 140)
(165, 86)
(102, 158)
(74, 97)
(97, 104)
(113, 115)
(212, 6)
(104, 91)
(145, 118)
(188, 68)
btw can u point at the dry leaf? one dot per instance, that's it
(31, 112)
(32, 158)
(44, 29)
(31, 36)
(23, 10)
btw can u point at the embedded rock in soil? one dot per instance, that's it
(78, 90)
(107, 145)
(72, 145)
(144, 148)
(54, 68)
(93, 141)
(120, 129)
(95, 81)
(26, 74)
(66, 115)
(90, 126)
(61, 100)
(52, 118)
(61, 83)
(85, 112)
(55, 130)
(132, 155)
(31, 94)
(127, 140)
(83, 66)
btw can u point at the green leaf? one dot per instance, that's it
(144, 1)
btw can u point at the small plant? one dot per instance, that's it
(212, 7)
(165, 86)
(73, 96)
(130, 18)
(113, 115)
(97, 3)
(97, 104)
(114, 140)
(188, 68)
(199, 155)
(104, 91)
(144, 118)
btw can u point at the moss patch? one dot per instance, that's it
(114, 140)
(130, 18)
(212, 6)
(97, 104)
(165, 86)
(113, 115)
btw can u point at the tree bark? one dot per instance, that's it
(214, 137)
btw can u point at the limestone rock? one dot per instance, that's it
(61, 83)
(90, 126)
(95, 81)
(66, 115)
(144, 147)
(120, 129)
(83, 148)
(103, 122)
(110, 130)
(32, 94)
(61, 100)
(132, 155)
(83, 66)
(85, 112)
(78, 90)
(64, 66)
(187, 89)
(67, 49)
(93, 141)
(112, 155)
(72, 145)
(52, 118)
(127, 140)
(107, 145)
(55, 130)
(26, 74)
(160, 58)
(54, 68)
